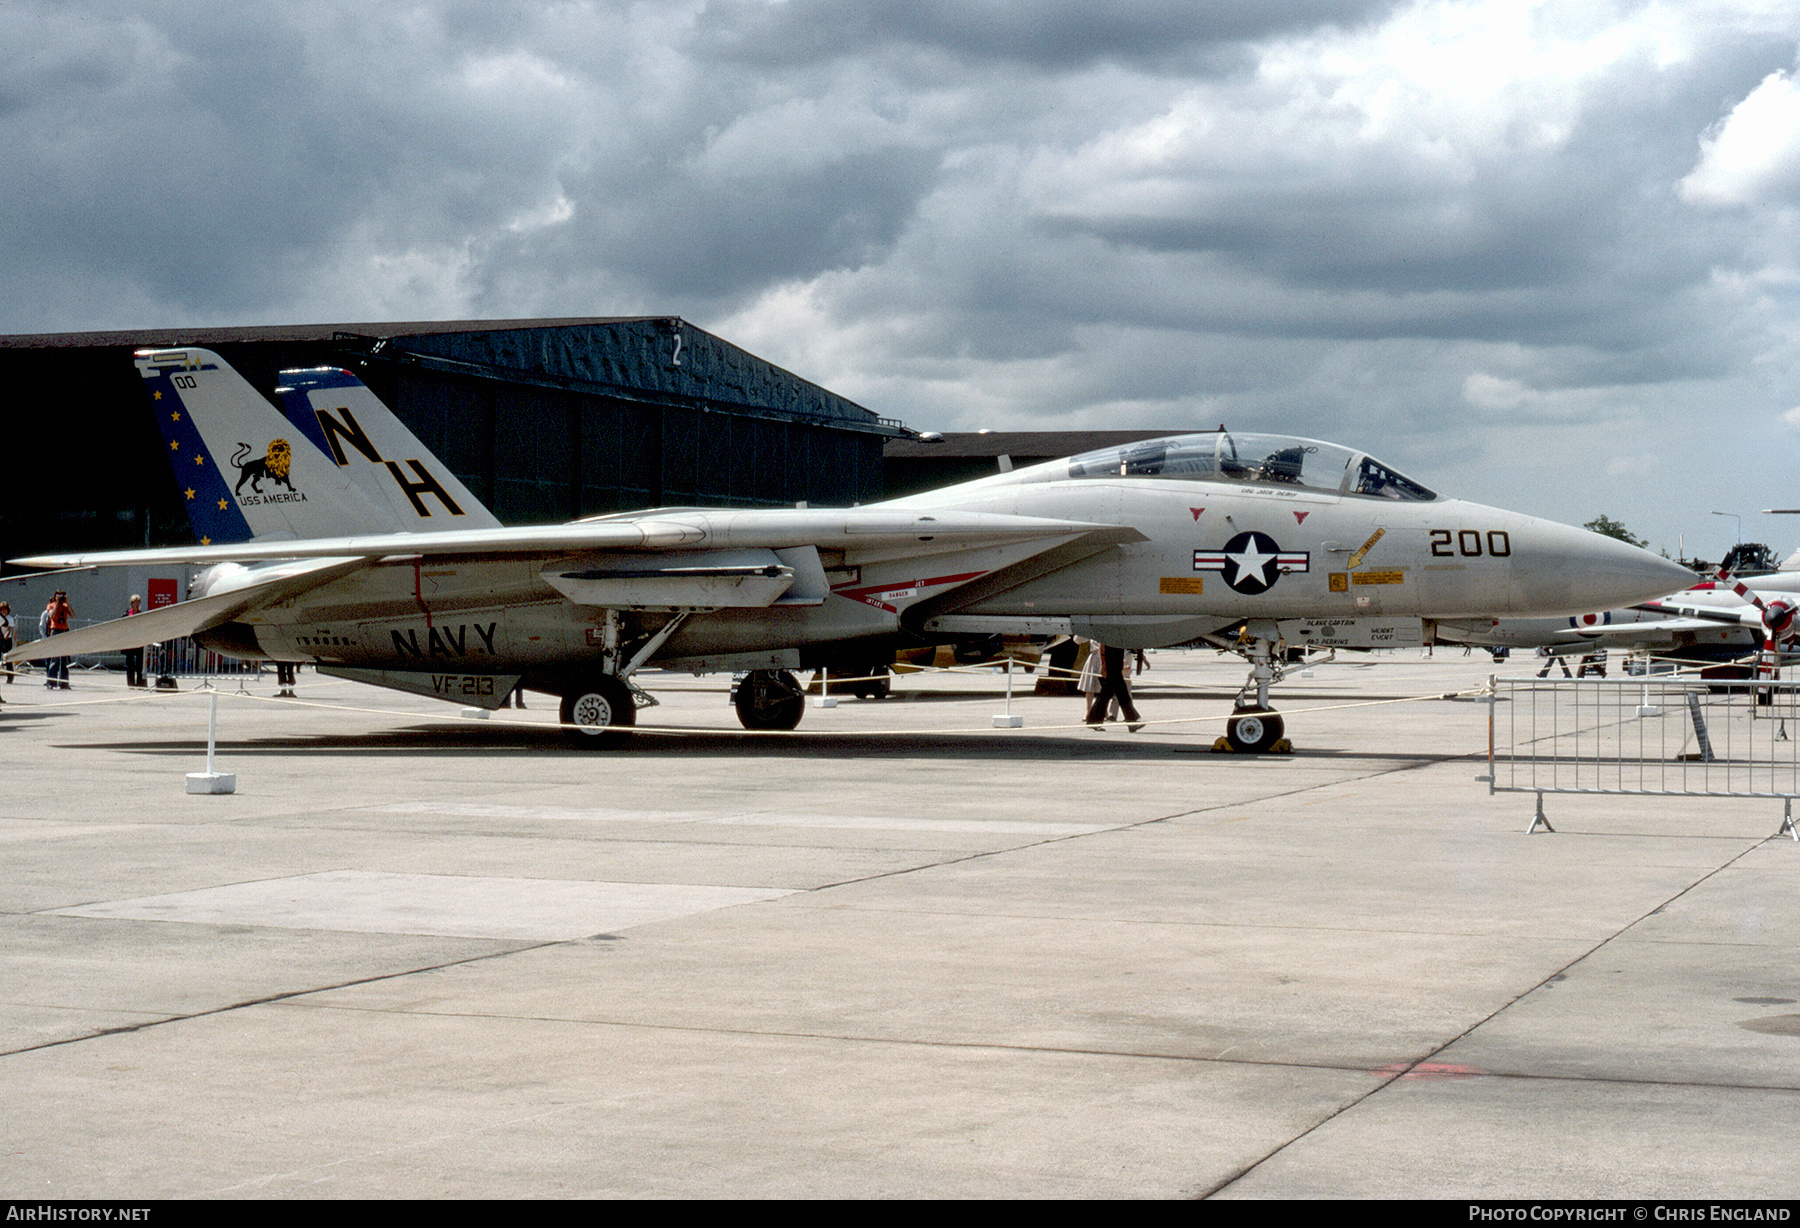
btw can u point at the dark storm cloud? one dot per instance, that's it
(1579, 239)
(1049, 34)
(688, 236)
(1411, 220)
(215, 157)
(772, 228)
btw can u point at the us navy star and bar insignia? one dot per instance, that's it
(1252, 562)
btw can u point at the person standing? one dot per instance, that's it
(8, 637)
(55, 620)
(1108, 684)
(134, 657)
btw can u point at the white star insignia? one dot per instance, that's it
(1250, 560)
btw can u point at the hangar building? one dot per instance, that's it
(918, 463)
(545, 420)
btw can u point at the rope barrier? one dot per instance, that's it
(153, 695)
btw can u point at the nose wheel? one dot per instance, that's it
(1253, 731)
(1254, 727)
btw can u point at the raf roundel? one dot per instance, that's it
(1251, 562)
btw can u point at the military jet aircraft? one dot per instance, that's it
(366, 558)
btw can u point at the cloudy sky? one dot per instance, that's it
(1539, 254)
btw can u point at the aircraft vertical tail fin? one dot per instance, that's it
(350, 425)
(282, 487)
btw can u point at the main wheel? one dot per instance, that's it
(975, 650)
(874, 686)
(770, 699)
(1252, 731)
(598, 712)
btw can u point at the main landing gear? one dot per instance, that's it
(774, 699)
(870, 682)
(1254, 727)
(769, 699)
(599, 707)
(598, 712)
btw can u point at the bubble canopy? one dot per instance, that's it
(1247, 459)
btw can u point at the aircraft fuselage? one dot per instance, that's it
(1158, 542)
(1212, 555)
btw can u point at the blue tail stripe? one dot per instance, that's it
(294, 387)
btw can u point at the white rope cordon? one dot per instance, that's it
(690, 730)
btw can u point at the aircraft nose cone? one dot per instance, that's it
(1576, 570)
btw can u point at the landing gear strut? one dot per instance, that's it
(1254, 727)
(873, 684)
(600, 707)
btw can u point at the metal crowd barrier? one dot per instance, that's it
(1665, 735)
(179, 658)
(183, 658)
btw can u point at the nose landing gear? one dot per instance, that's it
(1254, 727)
(1253, 731)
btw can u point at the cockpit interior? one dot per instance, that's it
(1263, 460)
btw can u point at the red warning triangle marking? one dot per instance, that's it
(1300, 517)
(1196, 511)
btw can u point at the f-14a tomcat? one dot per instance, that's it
(343, 542)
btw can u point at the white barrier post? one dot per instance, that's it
(1008, 721)
(210, 781)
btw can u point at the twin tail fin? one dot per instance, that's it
(338, 465)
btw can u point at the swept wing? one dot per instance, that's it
(188, 617)
(853, 528)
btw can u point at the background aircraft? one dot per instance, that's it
(1662, 631)
(374, 564)
(1715, 620)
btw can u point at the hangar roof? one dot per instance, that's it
(638, 357)
(1022, 446)
(224, 333)
(913, 465)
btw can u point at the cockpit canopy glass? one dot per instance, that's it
(1264, 460)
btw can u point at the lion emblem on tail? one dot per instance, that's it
(273, 466)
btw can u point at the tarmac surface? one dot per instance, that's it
(898, 953)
